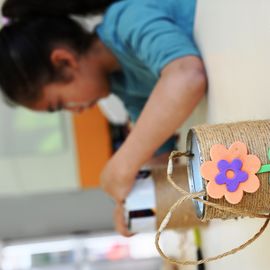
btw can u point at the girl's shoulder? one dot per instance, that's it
(135, 11)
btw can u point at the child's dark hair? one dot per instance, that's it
(26, 43)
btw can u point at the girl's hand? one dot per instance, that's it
(118, 177)
(119, 220)
(117, 180)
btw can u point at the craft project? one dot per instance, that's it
(224, 182)
(151, 197)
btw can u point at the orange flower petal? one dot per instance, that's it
(234, 197)
(215, 191)
(218, 152)
(238, 150)
(209, 170)
(252, 184)
(251, 164)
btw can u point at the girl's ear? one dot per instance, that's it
(64, 58)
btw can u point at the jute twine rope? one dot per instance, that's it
(166, 195)
(247, 132)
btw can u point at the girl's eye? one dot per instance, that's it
(56, 108)
(50, 109)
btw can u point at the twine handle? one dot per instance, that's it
(187, 196)
(174, 155)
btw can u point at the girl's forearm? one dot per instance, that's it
(180, 88)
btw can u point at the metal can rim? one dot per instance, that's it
(193, 183)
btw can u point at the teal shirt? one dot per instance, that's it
(145, 36)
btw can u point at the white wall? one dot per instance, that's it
(234, 37)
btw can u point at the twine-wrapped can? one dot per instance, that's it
(256, 136)
(166, 195)
(151, 198)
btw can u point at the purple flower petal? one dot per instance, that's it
(223, 165)
(241, 176)
(232, 186)
(236, 164)
(221, 178)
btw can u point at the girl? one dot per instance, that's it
(143, 51)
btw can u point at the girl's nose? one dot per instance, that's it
(74, 107)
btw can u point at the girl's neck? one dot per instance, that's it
(108, 60)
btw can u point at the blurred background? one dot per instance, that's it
(53, 214)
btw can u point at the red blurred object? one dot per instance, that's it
(118, 252)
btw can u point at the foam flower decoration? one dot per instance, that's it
(231, 172)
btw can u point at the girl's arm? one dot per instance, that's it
(180, 88)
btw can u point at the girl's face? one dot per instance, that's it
(81, 93)
(88, 82)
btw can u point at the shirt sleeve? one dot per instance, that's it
(169, 146)
(153, 36)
